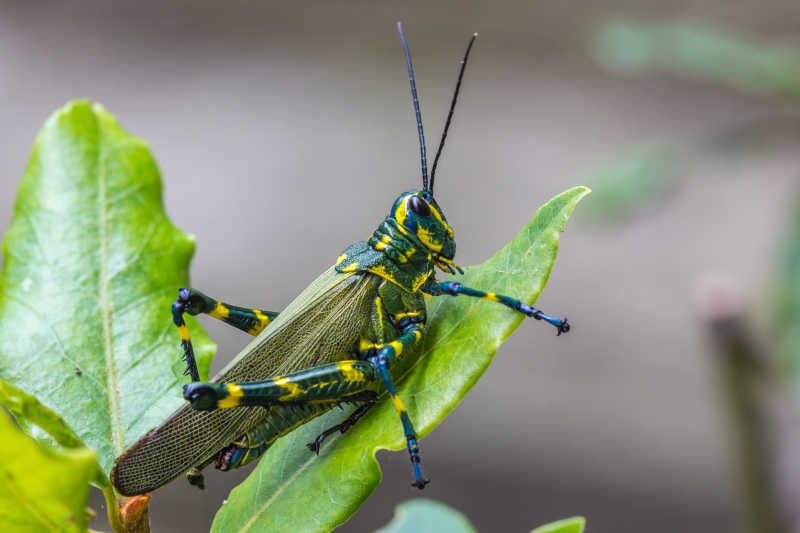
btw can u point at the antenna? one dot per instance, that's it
(422, 155)
(452, 107)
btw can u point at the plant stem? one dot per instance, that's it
(743, 370)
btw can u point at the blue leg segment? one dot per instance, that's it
(454, 289)
(387, 355)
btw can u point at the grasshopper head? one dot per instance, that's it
(419, 214)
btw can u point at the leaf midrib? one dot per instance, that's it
(104, 298)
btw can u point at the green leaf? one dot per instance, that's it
(91, 266)
(50, 430)
(567, 525)
(703, 51)
(42, 489)
(427, 516)
(38, 421)
(294, 490)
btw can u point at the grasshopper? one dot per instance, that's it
(337, 342)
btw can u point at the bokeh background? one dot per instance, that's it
(285, 130)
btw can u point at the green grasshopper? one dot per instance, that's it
(337, 342)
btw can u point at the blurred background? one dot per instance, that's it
(669, 407)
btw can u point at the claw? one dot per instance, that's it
(420, 483)
(314, 447)
(563, 327)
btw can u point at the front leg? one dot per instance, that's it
(194, 302)
(386, 356)
(454, 289)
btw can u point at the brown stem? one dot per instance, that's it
(135, 514)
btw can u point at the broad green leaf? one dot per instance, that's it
(427, 516)
(50, 430)
(567, 525)
(38, 421)
(43, 489)
(91, 265)
(703, 51)
(294, 490)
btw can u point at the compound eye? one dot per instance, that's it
(419, 206)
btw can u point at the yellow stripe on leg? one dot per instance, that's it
(398, 347)
(232, 399)
(292, 389)
(398, 404)
(263, 322)
(183, 331)
(350, 374)
(220, 312)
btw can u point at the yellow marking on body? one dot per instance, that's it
(220, 312)
(351, 268)
(232, 399)
(400, 316)
(440, 218)
(420, 280)
(183, 331)
(400, 214)
(380, 270)
(417, 334)
(426, 296)
(403, 230)
(340, 259)
(398, 404)
(492, 297)
(380, 246)
(263, 321)
(293, 389)
(379, 309)
(398, 347)
(350, 373)
(426, 237)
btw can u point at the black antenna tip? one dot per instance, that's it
(415, 101)
(452, 108)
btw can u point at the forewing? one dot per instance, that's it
(321, 325)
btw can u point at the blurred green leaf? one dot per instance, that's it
(567, 525)
(42, 489)
(787, 298)
(631, 182)
(426, 516)
(698, 50)
(91, 265)
(294, 490)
